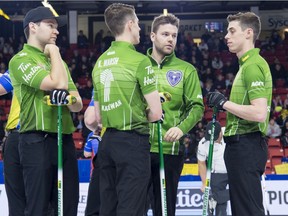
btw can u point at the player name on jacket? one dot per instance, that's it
(111, 106)
(108, 62)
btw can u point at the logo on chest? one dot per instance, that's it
(174, 77)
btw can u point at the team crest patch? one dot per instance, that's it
(174, 77)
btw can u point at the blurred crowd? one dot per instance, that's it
(216, 68)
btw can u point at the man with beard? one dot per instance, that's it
(180, 79)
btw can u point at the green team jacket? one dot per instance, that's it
(252, 81)
(121, 78)
(186, 108)
(27, 69)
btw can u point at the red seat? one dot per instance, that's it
(2, 103)
(84, 108)
(4, 117)
(8, 103)
(269, 171)
(286, 152)
(222, 122)
(280, 83)
(78, 144)
(82, 81)
(268, 164)
(222, 115)
(77, 136)
(274, 142)
(280, 53)
(269, 59)
(281, 91)
(275, 152)
(85, 102)
(285, 64)
(6, 110)
(283, 97)
(276, 161)
(208, 114)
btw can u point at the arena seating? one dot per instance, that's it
(276, 152)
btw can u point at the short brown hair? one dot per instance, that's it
(116, 15)
(164, 19)
(26, 32)
(247, 20)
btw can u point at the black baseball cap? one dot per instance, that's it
(41, 13)
(216, 132)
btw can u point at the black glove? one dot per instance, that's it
(58, 96)
(162, 117)
(216, 99)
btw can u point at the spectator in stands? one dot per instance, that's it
(203, 69)
(278, 72)
(3, 67)
(2, 131)
(82, 40)
(219, 83)
(74, 72)
(76, 58)
(213, 42)
(285, 129)
(86, 91)
(285, 104)
(203, 46)
(64, 44)
(206, 36)
(147, 42)
(274, 129)
(217, 63)
(107, 40)
(2, 41)
(216, 44)
(229, 79)
(182, 51)
(222, 44)
(198, 130)
(189, 39)
(20, 44)
(266, 44)
(284, 135)
(275, 38)
(98, 39)
(93, 56)
(8, 49)
(85, 66)
(277, 101)
(79, 122)
(189, 149)
(208, 87)
(208, 74)
(229, 67)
